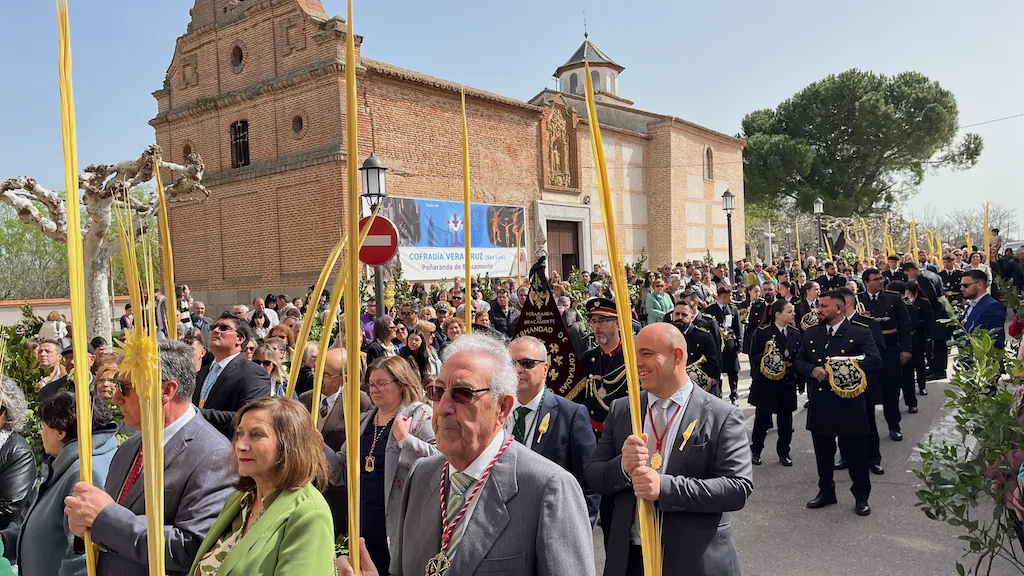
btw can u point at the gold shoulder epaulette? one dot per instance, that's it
(702, 329)
(859, 323)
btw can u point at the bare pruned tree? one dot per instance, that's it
(102, 187)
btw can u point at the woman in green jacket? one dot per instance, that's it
(277, 522)
(659, 302)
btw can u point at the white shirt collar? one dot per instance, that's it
(477, 467)
(174, 427)
(224, 363)
(780, 328)
(681, 396)
(533, 404)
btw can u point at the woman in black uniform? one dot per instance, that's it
(773, 389)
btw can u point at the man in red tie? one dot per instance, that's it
(197, 481)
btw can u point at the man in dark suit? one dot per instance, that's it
(983, 311)
(230, 381)
(197, 478)
(696, 465)
(873, 394)
(728, 318)
(894, 272)
(835, 412)
(831, 279)
(922, 318)
(556, 428)
(331, 424)
(889, 310)
(700, 346)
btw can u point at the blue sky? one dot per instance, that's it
(708, 62)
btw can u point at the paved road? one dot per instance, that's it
(776, 535)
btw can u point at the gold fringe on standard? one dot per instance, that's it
(846, 377)
(649, 522)
(773, 365)
(76, 264)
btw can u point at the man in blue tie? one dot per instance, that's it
(230, 381)
(983, 311)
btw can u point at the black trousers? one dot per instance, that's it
(939, 359)
(891, 388)
(635, 562)
(853, 449)
(762, 422)
(734, 382)
(920, 375)
(873, 448)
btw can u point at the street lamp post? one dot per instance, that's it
(374, 191)
(819, 209)
(729, 204)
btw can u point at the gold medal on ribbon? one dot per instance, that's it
(370, 462)
(656, 461)
(438, 565)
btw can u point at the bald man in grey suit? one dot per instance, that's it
(529, 516)
(701, 472)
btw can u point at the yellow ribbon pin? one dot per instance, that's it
(543, 426)
(687, 433)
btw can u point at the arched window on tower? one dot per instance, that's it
(574, 84)
(709, 164)
(596, 78)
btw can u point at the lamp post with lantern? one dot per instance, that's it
(819, 209)
(729, 204)
(374, 192)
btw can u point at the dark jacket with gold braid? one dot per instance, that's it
(829, 413)
(734, 335)
(768, 391)
(700, 344)
(891, 313)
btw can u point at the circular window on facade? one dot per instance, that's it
(299, 125)
(237, 58)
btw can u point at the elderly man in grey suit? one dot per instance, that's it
(197, 478)
(695, 466)
(486, 504)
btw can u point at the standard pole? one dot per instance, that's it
(731, 263)
(819, 234)
(378, 286)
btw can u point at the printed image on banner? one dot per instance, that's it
(432, 236)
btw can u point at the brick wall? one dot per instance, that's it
(269, 226)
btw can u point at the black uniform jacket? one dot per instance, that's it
(765, 393)
(827, 412)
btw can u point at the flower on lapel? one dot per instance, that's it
(544, 426)
(687, 433)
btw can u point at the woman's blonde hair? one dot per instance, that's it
(300, 452)
(55, 316)
(277, 373)
(400, 369)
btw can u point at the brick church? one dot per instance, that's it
(256, 88)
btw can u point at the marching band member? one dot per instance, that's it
(773, 390)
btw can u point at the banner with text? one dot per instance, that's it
(431, 238)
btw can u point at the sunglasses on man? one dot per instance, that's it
(460, 394)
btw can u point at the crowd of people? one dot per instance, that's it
(456, 421)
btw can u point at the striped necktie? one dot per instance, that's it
(459, 483)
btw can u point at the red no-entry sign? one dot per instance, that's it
(381, 242)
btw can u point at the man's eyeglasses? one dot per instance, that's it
(601, 320)
(264, 363)
(528, 363)
(222, 328)
(123, 387)
(967, 284)
(460, 394)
